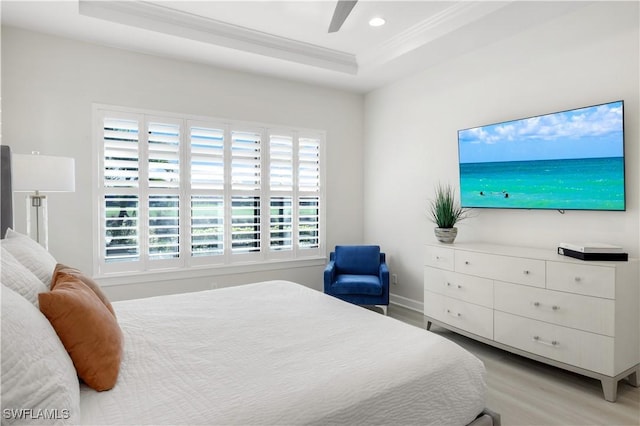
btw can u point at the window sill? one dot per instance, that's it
(117, 279)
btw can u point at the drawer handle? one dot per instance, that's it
(538, 304)
(454, 314)
(457, 286)
(577, 279)
(526, 272)
(466, 262)
(553, 343)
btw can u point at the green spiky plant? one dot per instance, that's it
(443, 209)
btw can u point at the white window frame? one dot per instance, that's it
(227, 260)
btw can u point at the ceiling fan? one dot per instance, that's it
(343, 9)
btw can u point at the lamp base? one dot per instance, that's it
(37, 219)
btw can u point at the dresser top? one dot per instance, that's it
(525, 252)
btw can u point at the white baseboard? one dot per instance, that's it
(405, 302)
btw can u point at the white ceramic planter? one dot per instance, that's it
(446, 235)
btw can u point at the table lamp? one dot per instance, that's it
(41, 173)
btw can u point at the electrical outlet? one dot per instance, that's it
(394, 279)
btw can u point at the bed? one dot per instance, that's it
(272, 352)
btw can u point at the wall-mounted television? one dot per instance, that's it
(568, 160)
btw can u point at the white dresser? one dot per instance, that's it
(577, 315)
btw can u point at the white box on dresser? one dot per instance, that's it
(578, 315)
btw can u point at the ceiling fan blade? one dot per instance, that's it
(343, 9)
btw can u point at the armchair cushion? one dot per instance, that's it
(357, 284)
(358, 260)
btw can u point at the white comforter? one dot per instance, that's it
(280, 353)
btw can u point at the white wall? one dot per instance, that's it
(584, 58)
(50, 83)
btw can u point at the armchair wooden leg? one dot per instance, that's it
(385, 309)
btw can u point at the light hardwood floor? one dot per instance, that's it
(526, 392)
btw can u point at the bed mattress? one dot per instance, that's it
(280, 353)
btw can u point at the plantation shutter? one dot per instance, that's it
(120, 142)
(245, 161)
(245, 191)
(309, 165)
(122, 241)
(176, 191)
(207, 158)
(207, 225)
(121, 208)
(207, 187)
(308, 193)
(281, 183)
(164, 226)
(309, 222)
(164, 155)
(163, 163)
(280, 163)
(281, 223)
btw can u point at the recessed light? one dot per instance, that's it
(377, 22)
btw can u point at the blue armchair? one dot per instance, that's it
(358, 275)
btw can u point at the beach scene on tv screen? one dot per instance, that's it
(565, 160)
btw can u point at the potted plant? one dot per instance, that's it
(445, 213)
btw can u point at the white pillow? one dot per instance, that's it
(19, 279)
(38, 377)
(31, 254)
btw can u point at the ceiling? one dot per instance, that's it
(289, 39)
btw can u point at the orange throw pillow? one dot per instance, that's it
(85, 279)
(87, 329)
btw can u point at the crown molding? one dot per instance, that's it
(428, 30)
(155, 17)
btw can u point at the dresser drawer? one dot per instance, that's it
(466, 316)
(439, 257)
(504, 268)
(463, 287)
(590, 351)
(589, 280)
(586, 313)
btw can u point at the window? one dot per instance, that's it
(179, 191)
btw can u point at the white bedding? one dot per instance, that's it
(280, 353)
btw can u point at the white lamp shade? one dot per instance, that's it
(45, 173)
